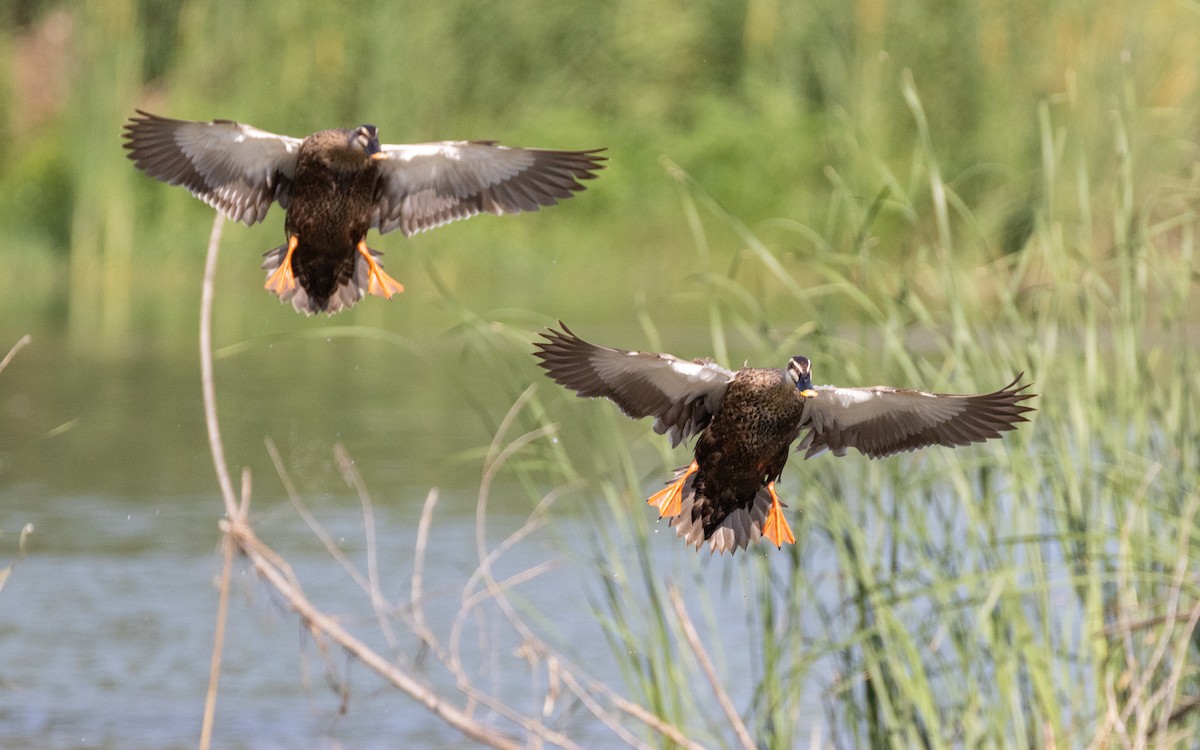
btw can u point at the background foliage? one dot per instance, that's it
(787, 113)
(907, 192)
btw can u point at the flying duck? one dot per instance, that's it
(337, 184)
(747, 421)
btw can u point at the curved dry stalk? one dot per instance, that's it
(7, 570)
(693, 639)
(496, 457)
(378, 602)
(217, 450)
(274, 569)
(417, 591)
(214, 669)
(278, 574)
(309, 519)
(1142, 714)
(261, 555)
(22, 342)
(450, 657)
(207, 382)
(492, 588)
(629, 707)
(368, 584)
(498, 454)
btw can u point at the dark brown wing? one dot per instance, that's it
(237, 169)
(426, 185)
(880, 421)
(682, 396)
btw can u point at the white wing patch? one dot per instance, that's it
(846, 407)
(237, 169)
(451, 168)
(429, 184)
(881, 421)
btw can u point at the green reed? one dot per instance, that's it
(907, 194)
(1039, 590)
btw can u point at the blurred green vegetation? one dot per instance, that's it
(788, 114)
(915, 193)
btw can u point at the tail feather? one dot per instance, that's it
(738, 530)
(346, 293)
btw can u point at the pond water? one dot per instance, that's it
(106, 625)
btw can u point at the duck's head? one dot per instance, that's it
(365, 138)
(799, 371)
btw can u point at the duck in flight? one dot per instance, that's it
(747, 421)
(337, 184)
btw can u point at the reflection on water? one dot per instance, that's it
(106, 626)
(134, 428)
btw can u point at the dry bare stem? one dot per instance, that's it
(369, 584)
(1141, 716)
(214, 670)
(378, 602)
(309, 519)
(693, 639)
(7, 570)
(571, 675)
(217, 449)
(260, 556)
(326, 630)
(21, 344)
(272, 568)
(417, 585)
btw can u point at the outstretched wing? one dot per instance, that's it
(237, 169)
(426, 185)
(682, 396)
(880, 421)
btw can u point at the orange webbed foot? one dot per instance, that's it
(282, 280)
(775, 528)
(378, 283)
(669, 500)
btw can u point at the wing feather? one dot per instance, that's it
(682, 396)
(425, 185)
(882, 420)
(237, 169)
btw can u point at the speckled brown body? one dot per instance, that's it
(746, 445)
(332, 197)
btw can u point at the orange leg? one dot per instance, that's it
(776, 528)
(669, 500)
(282, 279)
(380, 284)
